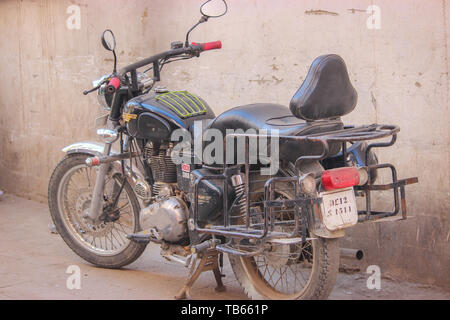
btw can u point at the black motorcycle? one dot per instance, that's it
(278, 217)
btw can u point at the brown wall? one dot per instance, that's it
(400, 72)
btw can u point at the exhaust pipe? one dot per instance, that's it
(351, 253)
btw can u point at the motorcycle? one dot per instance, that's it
(278, 217)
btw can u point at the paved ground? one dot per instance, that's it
(33, 262)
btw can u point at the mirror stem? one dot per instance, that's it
(115, 62)
(202, 20)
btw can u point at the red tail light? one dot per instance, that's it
(340, 178)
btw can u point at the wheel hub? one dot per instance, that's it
(278, 255)
(82, 205)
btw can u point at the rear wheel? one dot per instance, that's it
(103, 244)
(289, 271)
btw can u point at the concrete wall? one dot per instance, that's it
(399, 70)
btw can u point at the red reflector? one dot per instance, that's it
(340, 178)
(95, 161)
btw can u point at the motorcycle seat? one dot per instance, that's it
(271, 117)
(268, 116)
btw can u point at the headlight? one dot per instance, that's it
(103, 98)
(108, 135)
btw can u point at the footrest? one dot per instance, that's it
(139, 237)
(231, 250)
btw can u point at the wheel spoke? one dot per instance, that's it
(75, 198)
(285, 269)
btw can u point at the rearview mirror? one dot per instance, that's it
(108, 40)
(209, 10)
(109, 43)
(214, 8)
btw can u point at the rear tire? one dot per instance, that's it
(324, 265)
(125, 255)
(320, 284)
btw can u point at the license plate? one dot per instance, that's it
(339, 209)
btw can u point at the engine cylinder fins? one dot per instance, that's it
(160, 161)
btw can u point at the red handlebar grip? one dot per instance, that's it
(211, 45)
(113, 85)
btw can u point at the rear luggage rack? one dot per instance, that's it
(257, 223)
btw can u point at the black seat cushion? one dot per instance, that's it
(259, 116)
(326, 92)
(274, 116)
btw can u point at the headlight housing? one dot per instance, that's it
(108, 135)
(104, 99)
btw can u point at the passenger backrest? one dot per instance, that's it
(326, 92)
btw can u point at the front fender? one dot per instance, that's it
(94, 148)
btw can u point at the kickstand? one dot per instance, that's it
(208, 261)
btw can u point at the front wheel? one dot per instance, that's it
(103, 244)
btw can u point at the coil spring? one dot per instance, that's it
(239, 187)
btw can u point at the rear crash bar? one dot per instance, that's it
(307, 203)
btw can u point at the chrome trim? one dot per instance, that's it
(89, 147)
(108, 135)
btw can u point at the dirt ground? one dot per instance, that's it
(33, 264)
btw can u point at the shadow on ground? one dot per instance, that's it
(34, 263)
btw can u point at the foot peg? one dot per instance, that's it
(139, 237)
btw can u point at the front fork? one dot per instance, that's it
(109, 135)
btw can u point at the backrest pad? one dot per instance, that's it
(326, 92)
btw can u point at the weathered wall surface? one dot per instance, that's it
(399, 70)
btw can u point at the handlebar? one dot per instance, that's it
(193, 49)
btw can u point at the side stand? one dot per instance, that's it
(209, 261)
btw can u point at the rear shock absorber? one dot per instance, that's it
(239, 186)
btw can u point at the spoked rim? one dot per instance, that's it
(107, 238)
(285, 271)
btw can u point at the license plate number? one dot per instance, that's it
(339, 209)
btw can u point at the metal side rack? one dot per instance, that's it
(261, 214)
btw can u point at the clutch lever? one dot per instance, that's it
(99, 83)
(86, 92)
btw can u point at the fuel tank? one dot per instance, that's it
(153, 116)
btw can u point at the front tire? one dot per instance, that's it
(104, 245)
